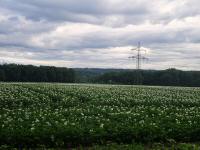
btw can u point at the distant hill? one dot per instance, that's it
(169, 77)
(30, 73)
(87, 74)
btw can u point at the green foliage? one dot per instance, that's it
(118, 147)
(2, 75)
(169, 77)
(29, 73)
(60, 115)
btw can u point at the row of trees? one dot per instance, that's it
(29, 73)
(169, 77)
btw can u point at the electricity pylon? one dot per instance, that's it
(139, 56)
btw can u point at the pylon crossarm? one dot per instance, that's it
(133, 57)
(134, 49)
(144, 58)
(138, 57)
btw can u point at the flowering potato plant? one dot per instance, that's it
(64, 114)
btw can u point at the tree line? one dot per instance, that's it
(30, 73)
(169, 77)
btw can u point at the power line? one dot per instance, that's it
(139, 56)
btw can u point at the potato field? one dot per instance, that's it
(67, 115)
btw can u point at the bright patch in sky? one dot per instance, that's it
(100, 33)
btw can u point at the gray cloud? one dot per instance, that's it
(100, 33)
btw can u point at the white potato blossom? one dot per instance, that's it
(101, 125)
(34, 109)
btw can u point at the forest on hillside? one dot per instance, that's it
(169, 77)
(30, 73)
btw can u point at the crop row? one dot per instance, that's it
(67, 115)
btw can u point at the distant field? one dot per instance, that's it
(62, 115)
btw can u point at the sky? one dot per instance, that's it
(100, 33)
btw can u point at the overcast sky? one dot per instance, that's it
(100, 33)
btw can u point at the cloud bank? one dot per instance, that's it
(100, 33)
